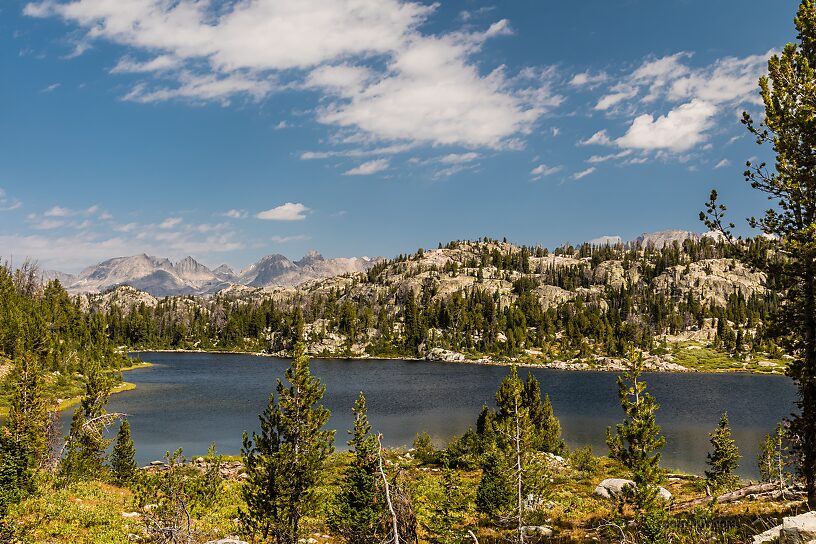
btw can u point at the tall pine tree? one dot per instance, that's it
(285, 461)
(789, 126)
(635, 443)
(123, 456)
(723, 460)
(358, 514)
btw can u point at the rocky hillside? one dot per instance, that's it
(474, 299)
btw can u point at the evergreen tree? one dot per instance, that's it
(724, 458)
(123, 456)
(86, 443)
(542, 417)
(495, 494)
(23, 437)
(358, 513)
(516, 438)
(789, 126)
(773, 457)
(448, 510)
(635, 444)
(285, 461)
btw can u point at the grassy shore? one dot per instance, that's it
(96, 511)
(67, 395)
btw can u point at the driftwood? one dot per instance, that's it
(733, 495)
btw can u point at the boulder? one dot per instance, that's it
(537, 530)
(227, 541)
(771, 535)
(613, 487)
(798, 529)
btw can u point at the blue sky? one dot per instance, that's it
(228, 130)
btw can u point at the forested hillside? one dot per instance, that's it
(43, 323)
(471, 299)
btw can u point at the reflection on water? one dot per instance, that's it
(190, 400)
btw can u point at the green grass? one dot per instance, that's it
(707, 359)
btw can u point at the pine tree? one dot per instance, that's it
(635, 444)
(358, 513)
(542, 417)
(724, 458)
(86, 443)
(515, 441)
(285, 461)
(448, 510)
(773, 458)
(495, 494)
(789, 126)
(123, 456)
(23, 437)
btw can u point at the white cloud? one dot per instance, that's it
(583, 173)
(728, 80)
(170, 222)
(595, 159)
(48, 224)
(459, 158)
(599, 138)
(418, 87)
(431, 94)
(291, 211)
(235, 214)
(160, 63)
(51, 88)
(620, 93)
(722, 164)
(588, 79)
(358, 152)
(368, 168)
(8, 203)
(287, 239)
(679, 130)
(543, 170)
(58, 211)
(692, 98)
(203, 87)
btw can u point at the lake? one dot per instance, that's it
(190, 400)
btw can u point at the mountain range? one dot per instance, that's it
(161, 277)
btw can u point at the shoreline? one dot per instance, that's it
(64, 404)
(559, 365)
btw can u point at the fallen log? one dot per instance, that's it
(733, 495)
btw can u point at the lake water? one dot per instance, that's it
(190, 400)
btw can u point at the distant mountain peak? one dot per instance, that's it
(311, 257)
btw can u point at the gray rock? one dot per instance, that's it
(537, 530)
(798, 529)
(613, 487)
(227, 541)
(771, 535)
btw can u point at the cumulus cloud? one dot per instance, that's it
(368, 168)
(687, 99)
(722, 164)
(599, 138)
(679, 130)
(416, 87)
(291, 211)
